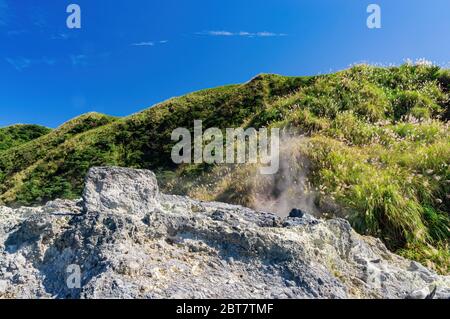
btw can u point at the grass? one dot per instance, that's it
(16, 135)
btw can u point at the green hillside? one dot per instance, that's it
(376, 140)
(19, 164)
(16, 135)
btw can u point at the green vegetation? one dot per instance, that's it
(16, 135)
(376, 140)
(21, 178)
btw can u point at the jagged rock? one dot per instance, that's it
(120, 190)
(129, 241)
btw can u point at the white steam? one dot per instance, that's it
(290, 187)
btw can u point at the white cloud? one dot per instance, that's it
(78, 60)
(241, 34)
(48, 61)
(220, 33)
(60, 36)
(143, 44)
(269, 34)
(21, 63)
(149, 43)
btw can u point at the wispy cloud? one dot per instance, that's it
(60, 36)
(217, 33)
(143, 44)
(22, 63)
(223, 33)
(79, 59)
(19, 63)
(48, 61)
(13, 33)
(149, 43)
(89, 60)
(39, 18)
(270, 34)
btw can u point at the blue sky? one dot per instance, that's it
(129, 55)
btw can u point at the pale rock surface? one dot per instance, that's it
(130, 241)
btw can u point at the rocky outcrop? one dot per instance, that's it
(126, 240)
(120, 191)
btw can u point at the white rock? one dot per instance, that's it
(132, 242)
(120, 190)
